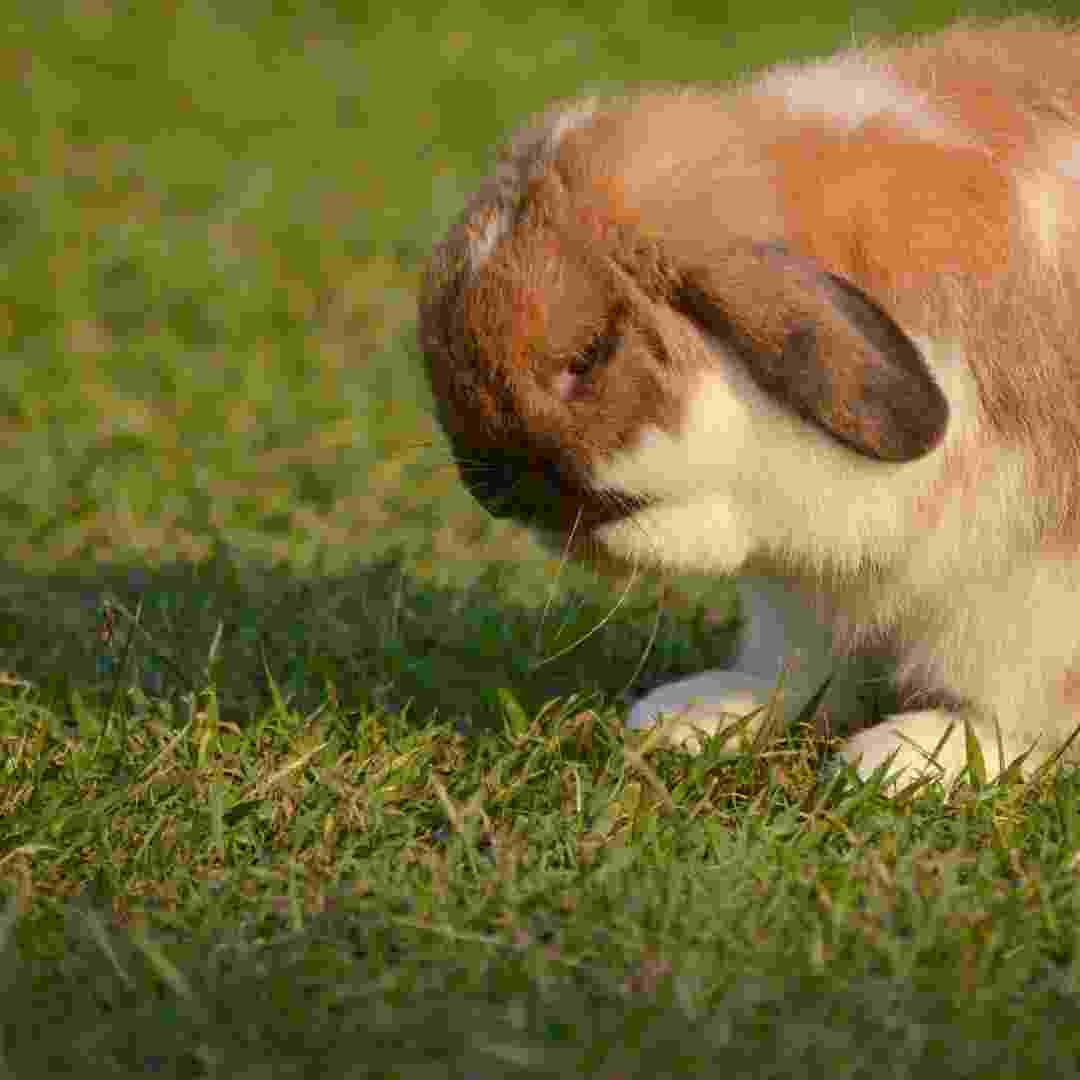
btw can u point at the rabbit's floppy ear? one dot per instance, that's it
(819, 345)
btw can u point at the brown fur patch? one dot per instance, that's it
(890, 211)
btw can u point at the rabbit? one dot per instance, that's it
(820, 328)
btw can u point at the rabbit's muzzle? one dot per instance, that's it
(541, 493)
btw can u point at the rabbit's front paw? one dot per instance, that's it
(703, 705)
(916, 740)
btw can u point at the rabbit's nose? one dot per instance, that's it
(514, 485)
(497, 480)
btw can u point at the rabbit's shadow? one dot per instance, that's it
(377, 636)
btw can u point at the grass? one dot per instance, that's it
(298, 774)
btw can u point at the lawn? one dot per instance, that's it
(307, 767)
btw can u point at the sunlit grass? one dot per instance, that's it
(314, 873)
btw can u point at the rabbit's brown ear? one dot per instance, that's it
(821, 346)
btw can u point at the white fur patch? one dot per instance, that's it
(572, 119)
(1046, 200)
(1067, 161)
(1048, 192)
(703, 535)
(850, 90)
(486, 233)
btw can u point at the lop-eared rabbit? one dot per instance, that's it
(822, 328)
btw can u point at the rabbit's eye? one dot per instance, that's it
(594, 355)
(572, 380)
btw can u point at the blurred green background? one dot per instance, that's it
(213, 218)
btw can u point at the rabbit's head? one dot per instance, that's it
(629, 351)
